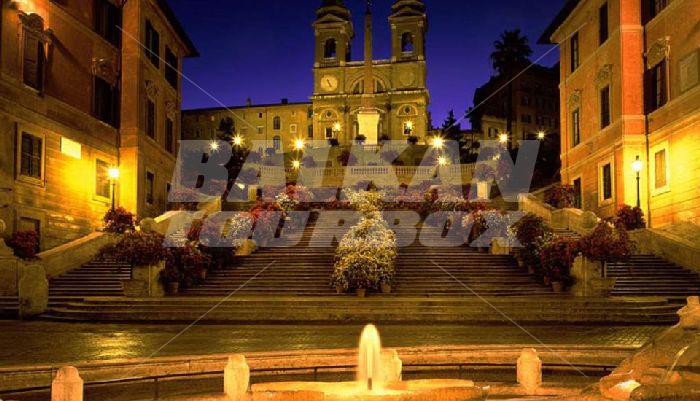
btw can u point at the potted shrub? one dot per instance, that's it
(146, 254)
(629, 218)
(560, 196)
(412, 140)
(171, 277)
(361, 273)
(360, 139)
(25, 244)
(529, 231)
(118, 221)
(557, 259)
(605, 244)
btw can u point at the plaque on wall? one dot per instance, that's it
(690, 71)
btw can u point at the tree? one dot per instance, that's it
(451, 129)
(511, 55)
(227, 127)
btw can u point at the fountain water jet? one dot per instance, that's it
(377, 380)
(369, 366)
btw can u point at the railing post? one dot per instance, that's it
(156, 389)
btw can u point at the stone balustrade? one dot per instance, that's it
(458, 174)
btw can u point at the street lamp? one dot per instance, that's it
(296, 164)
(637, 166)
(113, 174)
(214, 146)
(503, 138)
(438, 142)
(299, 144)
(541, 135)
(238, 140)
(442, 161)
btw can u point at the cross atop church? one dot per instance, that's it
(369, 6)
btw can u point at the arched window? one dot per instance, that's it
(330, 49)
(407, 42)
(276, 143)
(277, 123)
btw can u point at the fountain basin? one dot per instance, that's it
(417, 390)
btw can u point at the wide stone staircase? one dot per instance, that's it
(9, 307)
(101, 277)
(648, 275)
(424, 269)
(294, 266)
(653, 276)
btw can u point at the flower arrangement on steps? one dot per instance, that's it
(551, 259)
(366, 255)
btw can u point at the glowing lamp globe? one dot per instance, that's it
(113, 173)
(637, 165)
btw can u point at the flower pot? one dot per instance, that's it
(386, 288)
(547, 281)
(361, 292)
(557, 287)
(202, 274)
(530, 270)
(521, 262)
(339, 290)
(172, 288)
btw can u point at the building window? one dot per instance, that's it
(150, 185)
(604, 107)
(276, 143)
(106, 102)
(606, 186)
(660, 171)
(656, 86)
(407, 43)
(575, 56)
(260, 130)
(330, 49)
(292, 128)
(652, 8)
(578, 194)
(603, 29)
(172, 66)
(277, 123)
(151, 118)
(575, 128)
(169, 135)
(31, 156)
(329, 132)
(260, 115)
(34, 61)
(310, 132)
(152, 45)
(102, 182)
(108, 20)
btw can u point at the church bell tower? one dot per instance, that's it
(409, 25)
(334, 32)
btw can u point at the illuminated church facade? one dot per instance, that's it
(397, 93)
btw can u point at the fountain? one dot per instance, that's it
(378, 378)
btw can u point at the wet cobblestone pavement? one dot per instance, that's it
(48, 342)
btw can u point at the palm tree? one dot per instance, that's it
(511, 55)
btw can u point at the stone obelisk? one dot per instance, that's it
(368, 116)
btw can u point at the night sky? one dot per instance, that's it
(263, 49)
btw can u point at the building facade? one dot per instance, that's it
(535, 105)
(72, 91)
(630, 101)
(399, 90)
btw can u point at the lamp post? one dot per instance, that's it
(637, 166)
(113, 174)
